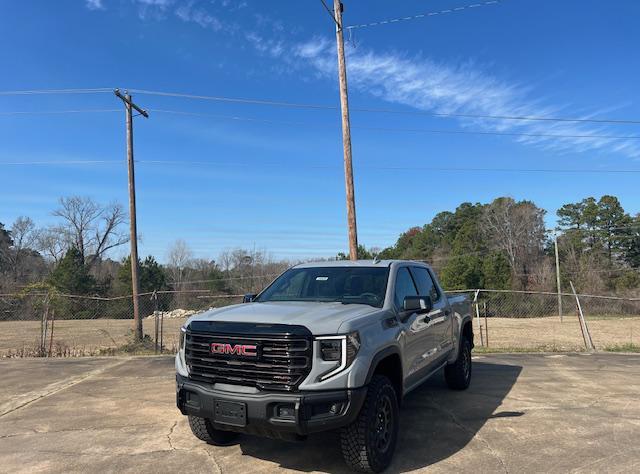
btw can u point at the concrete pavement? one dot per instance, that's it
(522, 413)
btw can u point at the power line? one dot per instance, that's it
(390, 129)
(310, 124)
(400, 168)
(61, 162)
(427, 14)
(380, 110)
(96, 90)
(294, 105)
(235, 100)
(322, 166)
(330, 12)
(58, 112)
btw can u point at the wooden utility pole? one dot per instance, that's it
(555, 243)
(133, 228)
(346, 133)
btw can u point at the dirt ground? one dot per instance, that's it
(523, 413)
(89, 337)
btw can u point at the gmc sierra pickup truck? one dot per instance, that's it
(326, 346)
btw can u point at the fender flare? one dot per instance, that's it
(463, 323)
(383, 354)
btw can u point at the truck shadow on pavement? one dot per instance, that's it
(435, 424)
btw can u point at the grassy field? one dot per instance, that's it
(550, 334)
(103, 336)
(81, 337)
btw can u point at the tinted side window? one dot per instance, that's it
(426, 287)
(404, 287)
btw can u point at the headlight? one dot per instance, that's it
(339, 349)
(182, 338)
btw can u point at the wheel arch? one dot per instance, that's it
(467, 331)
(388, 362)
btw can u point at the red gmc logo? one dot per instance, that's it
(234, 349)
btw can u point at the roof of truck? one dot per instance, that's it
(350, 263)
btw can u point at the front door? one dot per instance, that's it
(420, 346)
(440, 319)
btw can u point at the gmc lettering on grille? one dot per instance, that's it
(245, 350)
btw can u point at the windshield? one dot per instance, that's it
(348, 285)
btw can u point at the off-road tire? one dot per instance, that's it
(365, 447)
(204, 430)
(458, 374)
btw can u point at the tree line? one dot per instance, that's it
(499, 245)
(72, 257)
(505, 245)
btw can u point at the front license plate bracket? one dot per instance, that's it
(230, 413)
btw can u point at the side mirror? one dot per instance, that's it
(248, 298)
(417, 304)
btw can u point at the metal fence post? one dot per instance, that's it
(44, 327)
(558, 286)
(154, 297)
(486, 323)
(161, 331)
(475, 301)
(53, 319)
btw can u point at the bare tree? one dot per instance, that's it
(250, 270)
(179, 258)
(51, 241)
(92, 228)
(516, 228)
(23, 233)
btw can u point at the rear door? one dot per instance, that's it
(420, 343)
(440, 318)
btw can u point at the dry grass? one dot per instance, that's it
(549, 334)
(80, 337)
(110, 336)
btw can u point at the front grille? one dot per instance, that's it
(283, 362)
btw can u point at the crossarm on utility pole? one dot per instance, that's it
(127, 100)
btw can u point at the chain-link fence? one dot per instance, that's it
(514, 321)
(48, 324)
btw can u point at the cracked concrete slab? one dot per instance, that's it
(522, 413)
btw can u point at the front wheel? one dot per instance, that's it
(203, 429)
(458, 374)
(369, 442)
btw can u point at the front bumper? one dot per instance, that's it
(273, 414)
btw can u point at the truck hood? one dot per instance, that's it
(319, 318)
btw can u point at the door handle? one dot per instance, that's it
(447, 312)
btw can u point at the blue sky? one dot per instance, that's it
(273, 176)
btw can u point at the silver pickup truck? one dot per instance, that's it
(326, 346)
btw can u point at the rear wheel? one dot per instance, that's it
(458, 374)
(369, 442)
(203, 429)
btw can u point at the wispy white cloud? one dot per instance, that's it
(189, 12)
(94, 4)
(271, 47)
(398, 78)
(154, 9)
(465, 88)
